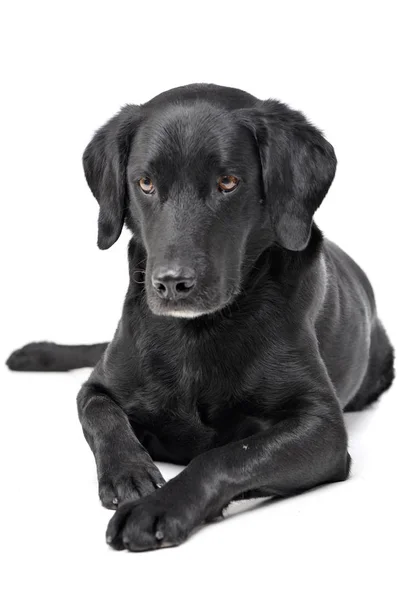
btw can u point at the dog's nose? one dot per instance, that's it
(173, 282)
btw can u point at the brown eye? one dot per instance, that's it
(227, 183)
(146, 185)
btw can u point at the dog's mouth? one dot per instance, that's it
(181, 313)
(187, 309)
(182, 310)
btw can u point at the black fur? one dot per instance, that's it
(245, 373)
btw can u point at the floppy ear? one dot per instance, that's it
(298, 168)
(104, 161)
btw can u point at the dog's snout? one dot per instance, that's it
(173, 282)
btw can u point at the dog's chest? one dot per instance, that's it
(191, 400)
(189, 392)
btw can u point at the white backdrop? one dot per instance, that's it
(66, 68)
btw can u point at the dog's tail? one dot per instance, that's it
(46, 356)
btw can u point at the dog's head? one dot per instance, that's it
(206, 181)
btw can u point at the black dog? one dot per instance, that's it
(244, 334)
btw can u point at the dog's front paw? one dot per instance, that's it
(130, 483)
(153, 522)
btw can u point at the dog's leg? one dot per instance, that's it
(306, 448)
(125, 469)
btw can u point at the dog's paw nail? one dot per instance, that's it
(115, 501)
(159, 485)
(159, 535)
(109, 539)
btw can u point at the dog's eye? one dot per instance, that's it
(146, 185)
(227, 183)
